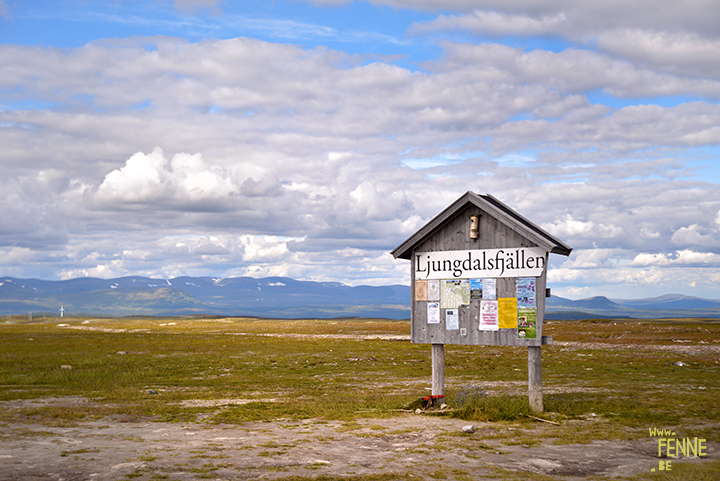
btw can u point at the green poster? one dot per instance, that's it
(527, 323)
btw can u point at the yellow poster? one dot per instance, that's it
(507, 313)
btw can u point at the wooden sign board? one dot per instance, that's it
(478, 273)
(473, 308)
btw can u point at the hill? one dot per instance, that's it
(600, 307)
(268, 297)
(282, 297)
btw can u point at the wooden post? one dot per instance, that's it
(535, 393)
(438, 373)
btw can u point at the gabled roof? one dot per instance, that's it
(495, 208)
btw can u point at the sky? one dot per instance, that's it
(308, 139)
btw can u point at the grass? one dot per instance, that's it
(117, 365)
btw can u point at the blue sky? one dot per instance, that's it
(308, 139)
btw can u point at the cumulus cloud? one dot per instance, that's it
(150, 178)
(144, 178)
(676, 37)
(370, 204)
(265, 248)
(108, 270)
(297, 161)
(696, 235)
(569, 227)
(681, 52)
(592, 258)
(493, 23)
(683, 257)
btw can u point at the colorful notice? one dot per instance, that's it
(421, 290)
(526, 293)
(452, 320)
(527, 324)
(433, 290)
(507, 313)
(488, 315)
(433, 313)
(489, 290)
(475, 288)
(455, 294)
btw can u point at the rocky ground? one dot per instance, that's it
(417, 446)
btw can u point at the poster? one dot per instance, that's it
(433, 313)
(475, 288)
(527, 324)
(526, 293)
(507, 313)
(455, 293)
(489, 290)
(433, 290)
(452, 320)
(421, 290)
(488, 315)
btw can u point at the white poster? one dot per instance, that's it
(489, 290)
(433, 313)
(452, 320)
(488, 316)
(433, 287)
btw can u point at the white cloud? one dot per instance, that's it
(149, 178)
(16, 255)
(368, 203)
(696, 235)
(107, 270)
(495, 23)
(587, 18)
(263, 249)
(680, 52)
(651, 260)
(298, 161)
(143, 178)
(569, 227)
(591, 258)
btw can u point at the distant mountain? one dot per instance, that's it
(667, 306)
(282, 297)
(670, 301)
(268, 297)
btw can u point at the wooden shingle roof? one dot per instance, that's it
(493, 207)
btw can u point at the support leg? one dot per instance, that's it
(438, 373)
(535, 392)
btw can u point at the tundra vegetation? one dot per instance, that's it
(626, 376)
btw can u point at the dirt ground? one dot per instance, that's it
(418, 445)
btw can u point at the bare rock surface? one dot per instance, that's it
(417, 445)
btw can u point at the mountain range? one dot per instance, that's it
(279, 297)
(282, 297)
